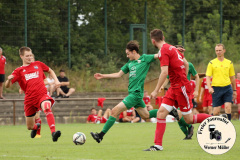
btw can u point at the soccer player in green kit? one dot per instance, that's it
(137, 67)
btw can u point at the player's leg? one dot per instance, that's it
(38, 120)
(46, 107)
(238, 110)
(71, 91)
(228, 109)
(60, 92)
(107, 113)
(136, 119)
(161, 126)
(110, 122)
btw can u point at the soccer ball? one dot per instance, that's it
(79, 138)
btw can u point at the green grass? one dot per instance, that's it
(123, 141)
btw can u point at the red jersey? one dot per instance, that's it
(30, 79)
(129, 113)
(2, 64)
(92, 118)
(193, 85)
(146, 99)
(238, 87)
(171, 57)
(207, 95)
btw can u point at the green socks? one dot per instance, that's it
(183, 126)
(153, 113)
(108, 124)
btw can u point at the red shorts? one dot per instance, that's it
(206, 103)
(179, 97)
(103, 120)
(33, 106)
(237, 100)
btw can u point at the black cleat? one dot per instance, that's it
(56, 135)
(174, 114)
(34, 132)
(190, 132)
(96, 137)
(187, 138)
(224, 115)
(153, 148)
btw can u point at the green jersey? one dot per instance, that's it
(138, 70)
(191, 71)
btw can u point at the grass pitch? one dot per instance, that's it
(122, 142)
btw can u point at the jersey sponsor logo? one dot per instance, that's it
(24, 70)
(132, 71)
(36, 67)
(171, 47)
(31, 75)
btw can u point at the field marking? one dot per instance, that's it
(41, 157)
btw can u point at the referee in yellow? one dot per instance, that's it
(223, 87)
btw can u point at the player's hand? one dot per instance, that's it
(211, 90)
(195, 93)
(181, 49)
(98, 76)
(153, 95)
(10, 77)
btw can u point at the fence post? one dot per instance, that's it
(221, 26)
(183, 22)
(25, 22)
(14, 113)
(69, 35)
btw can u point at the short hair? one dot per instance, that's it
(179, 46)
(220, 44)
(157, 35)
(23, 49)
(61, 70)
(92, 109)
(133, 45)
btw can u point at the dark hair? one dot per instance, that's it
(92, 109)
(61, 70)
(23, 49)
(133, 45)
(157, 35)
(179, 46)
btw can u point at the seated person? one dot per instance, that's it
(96, 117)
(64, 91)
(50, 85)
(129, 116)
(146, 99)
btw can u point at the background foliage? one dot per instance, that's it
(47, 31)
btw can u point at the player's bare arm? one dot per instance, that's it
(195, 93)
(186, 64)
(8, 83)
(52, 73)
(112, 75)
(164, 85)
(233, 82)
(210, 89)
(161, 80)
(201, 93)
(155, 56)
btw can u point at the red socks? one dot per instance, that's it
(50, 119)
(160, 129)
(38, 121)
(35, 127)
(200, 117)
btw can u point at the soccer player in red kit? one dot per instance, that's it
(207, 97)
(238, 93)
(173, 64)
(30, 78)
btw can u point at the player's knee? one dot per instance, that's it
(30, 127)
(46, 106)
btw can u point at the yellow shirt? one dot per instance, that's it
(220, 72)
